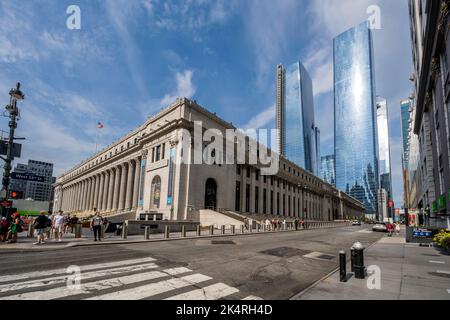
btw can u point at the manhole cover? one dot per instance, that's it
(222, 242)
(285, 252)
(325, 257)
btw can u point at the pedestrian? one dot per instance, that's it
(3, 229)
(268, 224)
(390, 229)
(40, 226)
(296, 224)
(397, 228)
(303, 224)
(58, 226)
(284, 224)
(48, 229)
(73, 222)
(96, 226)
(66, 222)
(14, 228)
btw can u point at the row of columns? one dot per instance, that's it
(297, 201)
(115, 189)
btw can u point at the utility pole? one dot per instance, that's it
(15, 95)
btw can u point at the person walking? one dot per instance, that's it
(40, 225)
(58, 226)
(14, 228)
(96, 226)
(3, 229)
(296, 224)
(48, 229)
(397, 228)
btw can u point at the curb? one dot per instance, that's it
(115, 242)
(314, 284)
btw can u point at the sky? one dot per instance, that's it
(132, 58)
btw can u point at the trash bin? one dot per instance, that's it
(358, 251)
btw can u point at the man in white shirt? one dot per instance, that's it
(58, 224)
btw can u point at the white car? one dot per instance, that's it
(379, 227)
(356, 223)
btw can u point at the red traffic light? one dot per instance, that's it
(16, 194)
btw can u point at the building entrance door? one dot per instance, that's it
(211, 194)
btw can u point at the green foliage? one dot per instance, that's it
(442, 239)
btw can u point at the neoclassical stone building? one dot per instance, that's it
(139, 175)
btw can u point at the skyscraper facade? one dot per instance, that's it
(355, 127)
(430, 119)
(328, 170)
(384, 148)
(38, 191)
(298, 138)
(405, 110)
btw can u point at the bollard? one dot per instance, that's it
(360, 270)
(78, 229)
(166, 232)
(183, 231)
(199, 231)
(223, 229)
(146, 233)
(233, 229)
(211, 230)
(30, 230)
(124, 230)
(342, 266)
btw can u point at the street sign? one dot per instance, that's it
(16, 150)
(27, 177)
(7, 204)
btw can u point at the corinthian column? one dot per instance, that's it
(116, 189)
(137, 175)
(110, 190)
(123, 187)
(129, 189)
(105, 191)
(100, 192)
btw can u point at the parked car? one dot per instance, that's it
(356, 223)
(379, 227)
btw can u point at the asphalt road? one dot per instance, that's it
(270, 266)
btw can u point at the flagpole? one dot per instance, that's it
(96, 139)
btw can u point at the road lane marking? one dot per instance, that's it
(93, 287)
(212, 292)
(63, 278)
(252, 298)
(443, 271)
(152, 289)
(437, 262)
(36, 274)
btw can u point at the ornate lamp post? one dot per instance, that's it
(15, 95)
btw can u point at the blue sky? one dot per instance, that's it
(132, 58)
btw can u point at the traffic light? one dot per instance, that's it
(16, 195)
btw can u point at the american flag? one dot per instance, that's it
(100, 125)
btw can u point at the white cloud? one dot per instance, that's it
(262, 120)
(185, 88)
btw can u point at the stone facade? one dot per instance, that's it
(138, 175)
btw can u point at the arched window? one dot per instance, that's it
(155, 193)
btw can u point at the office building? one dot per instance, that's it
(356, 148)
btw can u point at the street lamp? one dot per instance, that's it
(15, 95)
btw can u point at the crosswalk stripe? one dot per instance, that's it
(36, 274)
(152, 289)
(212, 292)
(63, 278)
(93, 287)
(252, 298)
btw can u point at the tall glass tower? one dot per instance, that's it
(328, 169)
(384, 147)
(299, 137)
(355, 118)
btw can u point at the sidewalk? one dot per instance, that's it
(408, 272)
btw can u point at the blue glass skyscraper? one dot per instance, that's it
(355, 118)
(328, 169)
(405, 107)
(299, 137)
